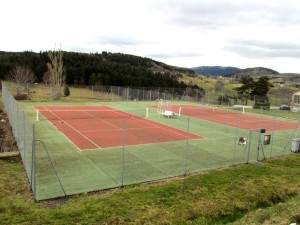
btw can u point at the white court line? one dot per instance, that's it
(73, 129)
(148, 122)
(153, 124)
(118, 128)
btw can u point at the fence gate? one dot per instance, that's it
(258, 145)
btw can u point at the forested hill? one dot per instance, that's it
(216, 70)
(100, 68)
(234, 71)
(256, 72)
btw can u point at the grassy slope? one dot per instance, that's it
(217, 197)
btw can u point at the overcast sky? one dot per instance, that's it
(187, 33)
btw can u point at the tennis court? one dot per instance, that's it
(233, 118)
(93, 127)
(79, 146)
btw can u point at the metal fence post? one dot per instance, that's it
(123, 153)
(18, 133)
(33, 178)
(250, 136)
(235, 140)
(187, 146)
(24, 134)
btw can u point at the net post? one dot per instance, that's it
(243, 109)
(147, 112)
(179, 111)
(37, 115)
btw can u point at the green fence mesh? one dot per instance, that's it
(56, 167)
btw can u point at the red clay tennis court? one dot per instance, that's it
(91, 127)
(231, 118)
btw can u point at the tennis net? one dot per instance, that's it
(89, 114)
(200, 111)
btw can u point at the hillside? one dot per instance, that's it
(233, 71)
(256, 72)
(117, 69)
(104, 68)
(215, 70)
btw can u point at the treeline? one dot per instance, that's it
(99, 68)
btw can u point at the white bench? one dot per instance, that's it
(169, 114)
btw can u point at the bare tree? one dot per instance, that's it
(23, 78)
(219, 85)
(55, 76)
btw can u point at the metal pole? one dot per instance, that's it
(250, 136)
(123, 153)
(273, 134)
(261, 108)
(33, 177)
(259, 142)
(236, 132)
(172, 94)
(24, 134)
(187, 146)
(127, 94)
(18, 133)
(92, 91)
(24, 154)
(227, 116)
(143, 93)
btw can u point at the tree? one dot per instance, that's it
(55, 76)
(258, 88)
(23, 78)
(260, 91)
(247, 87)
(219, 86)
(262, 86)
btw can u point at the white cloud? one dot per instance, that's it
(183, 33)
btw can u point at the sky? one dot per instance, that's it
(185, 33)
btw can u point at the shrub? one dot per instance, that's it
(66, 91)
(21, 97)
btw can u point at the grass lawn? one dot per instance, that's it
(248, 194)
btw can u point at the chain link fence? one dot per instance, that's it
(57, 167)
(22, 129)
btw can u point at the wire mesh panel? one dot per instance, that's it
(22, 129)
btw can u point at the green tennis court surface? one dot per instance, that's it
(57, 167)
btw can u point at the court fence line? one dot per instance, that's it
(24, 133)
(22, 129)
(134, 163)
(118, 93)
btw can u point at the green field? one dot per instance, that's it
(247, 194)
